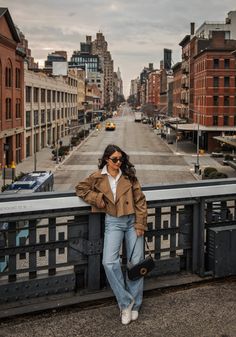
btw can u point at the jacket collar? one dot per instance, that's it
(103, 185)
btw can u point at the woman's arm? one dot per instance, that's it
(140, 206)
(85, 190)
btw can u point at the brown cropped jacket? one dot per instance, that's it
(129, 197)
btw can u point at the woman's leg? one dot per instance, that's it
(135, 288)
(114, 234)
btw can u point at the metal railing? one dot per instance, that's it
(51, 243)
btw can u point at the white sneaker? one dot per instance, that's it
(126, 314)
(134, 315)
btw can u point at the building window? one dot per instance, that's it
(36, 117)
(43, 95)
(215, 82)
(17, 78)
(43, 117)
(48, 115)
(58, 114)
(36, 95)
(18, 108)
(226, 120)
(215, 100)
(226, 100)
(54, 96)
(8, 77)
(226, 82)
(53, 114)
(48, 96)
(227, 63)
(28, 94)
(28, 119)
(234, 120)
(215, 120)
(58, 96)
(8, 108)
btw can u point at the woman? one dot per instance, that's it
(115, 190)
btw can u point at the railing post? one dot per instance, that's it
(32, 255)
(52, 252)
(94, 259)
(12, 257)
(198, 252)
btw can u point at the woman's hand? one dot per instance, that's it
(139, 232)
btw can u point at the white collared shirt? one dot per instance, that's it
(112, 181)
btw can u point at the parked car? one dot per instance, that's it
(110, 126)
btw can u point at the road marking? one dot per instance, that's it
(131, 153)
(140, 167)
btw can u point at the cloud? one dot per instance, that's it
(137, 31)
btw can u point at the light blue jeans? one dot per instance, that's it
(115, 230)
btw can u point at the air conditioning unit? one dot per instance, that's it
(221, 250)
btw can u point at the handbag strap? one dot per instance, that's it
(149, 251)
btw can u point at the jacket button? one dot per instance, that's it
(127, 202)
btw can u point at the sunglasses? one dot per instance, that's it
(116, 159)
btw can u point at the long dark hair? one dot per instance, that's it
(126, 167)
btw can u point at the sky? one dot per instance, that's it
(137, 31)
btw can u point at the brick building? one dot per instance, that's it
(153, 83)
(215, 88)
(11, 92)
(177, 85)
(207, 97)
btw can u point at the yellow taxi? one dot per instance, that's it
(110, 126)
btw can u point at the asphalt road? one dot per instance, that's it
(155, 163)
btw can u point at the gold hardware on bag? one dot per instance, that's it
(143, 271)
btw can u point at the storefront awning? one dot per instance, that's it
(227, 140)
(194, 127)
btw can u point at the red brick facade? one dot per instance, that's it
(11, 93)
(177, 86)
(214, 88)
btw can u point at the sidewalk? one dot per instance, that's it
(206, 310)
(188, 150)
(44, 160)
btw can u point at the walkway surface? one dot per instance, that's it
(203, 311)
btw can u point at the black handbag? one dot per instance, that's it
(142, 268)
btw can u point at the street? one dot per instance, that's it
(154, 161)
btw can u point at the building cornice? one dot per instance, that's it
(185, 41)
(7, 42)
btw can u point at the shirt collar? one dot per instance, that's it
(104, 171)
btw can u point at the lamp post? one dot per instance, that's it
(57, 156)
(35, 149)
(176, 140)
(197, 166)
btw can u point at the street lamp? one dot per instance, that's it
(197, 164)
(35, 150)
(176, 139)
(57, 150)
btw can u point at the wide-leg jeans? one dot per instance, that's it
(116, 229)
